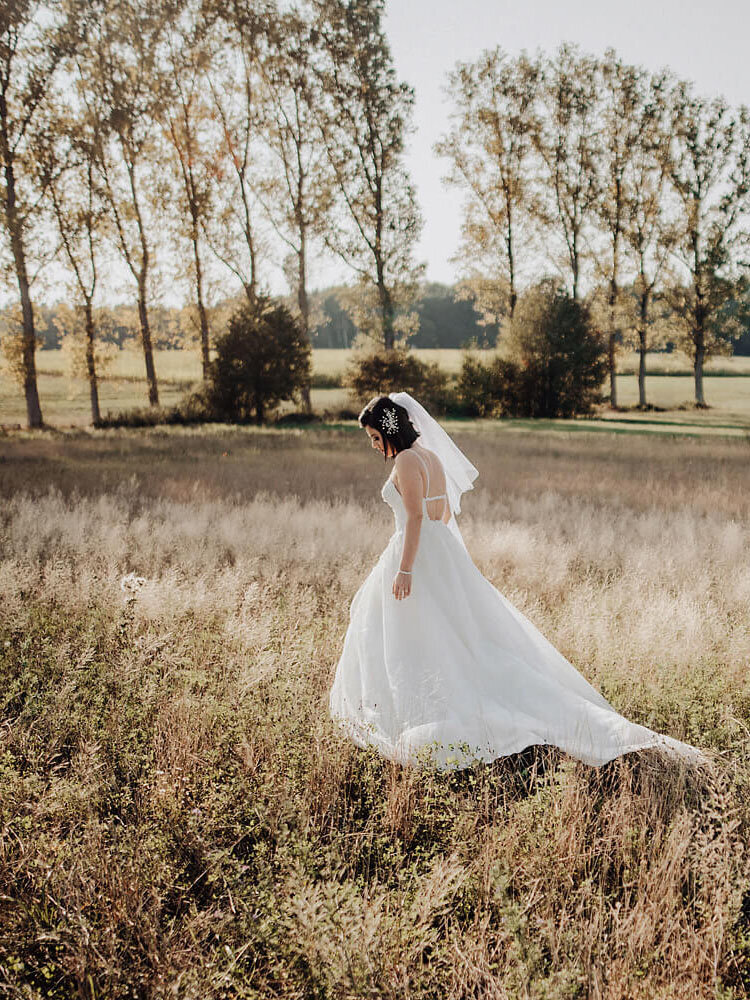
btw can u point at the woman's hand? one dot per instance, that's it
(401, 585)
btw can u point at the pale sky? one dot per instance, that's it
(707, 42)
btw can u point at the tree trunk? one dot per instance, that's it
(142, 277)
(699, 340)
(700, 353)
(513, 297)
(91, 365)
(613, 291)
(642, 327)
(201, 307)
(575, 266)
(304, 307)
(148, 353)
(33, 407)
(612, 370)
(386, 310)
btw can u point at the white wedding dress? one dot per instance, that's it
(454, 673)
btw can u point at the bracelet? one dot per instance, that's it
(406, 571)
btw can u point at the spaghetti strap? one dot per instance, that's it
(427, 472)
(425, 499)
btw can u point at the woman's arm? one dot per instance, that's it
(409, 482)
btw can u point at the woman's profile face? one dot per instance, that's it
(376, 439)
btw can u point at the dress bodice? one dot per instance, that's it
(395, 501)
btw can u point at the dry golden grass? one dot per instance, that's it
(179, 818)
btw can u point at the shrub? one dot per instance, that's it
(561, 357)
(557, 362)
(194, 408)
(487, 390)
(262, 359)
(398, 370)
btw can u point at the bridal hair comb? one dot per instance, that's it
(389, 422)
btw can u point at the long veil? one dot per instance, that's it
(459, 471)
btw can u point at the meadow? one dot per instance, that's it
(180, 818)
(669, 386)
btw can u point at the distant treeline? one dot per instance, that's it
(445, 321)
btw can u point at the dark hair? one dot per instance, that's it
(392, 420)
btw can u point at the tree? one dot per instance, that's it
(123, 69)
(490, 149)
(66, 163)
(625, 117)
(296, 192)
(233, 80)
(567, 141)
(262, 359)
(188, 126)
(646, 225)
(709, 168)
(561, 359)
(35, 40)
(364, 116)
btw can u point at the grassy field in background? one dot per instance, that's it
(184, 366)
(669, 387)
(181, 818)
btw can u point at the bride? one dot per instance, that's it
(438, 668)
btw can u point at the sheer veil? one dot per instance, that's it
(459, 471)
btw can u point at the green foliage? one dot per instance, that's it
(556, 367)
(487, 390)
(398, 370)
(262, 359)
(561, 357)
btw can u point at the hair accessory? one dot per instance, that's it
(389, 421)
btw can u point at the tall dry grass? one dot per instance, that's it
(179, 818)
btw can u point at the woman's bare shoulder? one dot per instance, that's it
(406, 459)
(406, 466)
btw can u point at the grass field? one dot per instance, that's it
(179, 818)
(184, 366)
(669, 386)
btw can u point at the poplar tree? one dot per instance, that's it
(625, 117)
(35, 40)
(232, 78)
(124, 70)
(66, 161)
(709, 168)
(189, 127)
(296, 191)
(490, 149)
(365, 114)
(567, 142)
(647, 228)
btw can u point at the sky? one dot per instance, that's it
(707, 42)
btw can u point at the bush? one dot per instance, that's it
(191, 409)
(557, 364)
(399, 370)
(487, 390)
(262, 359)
